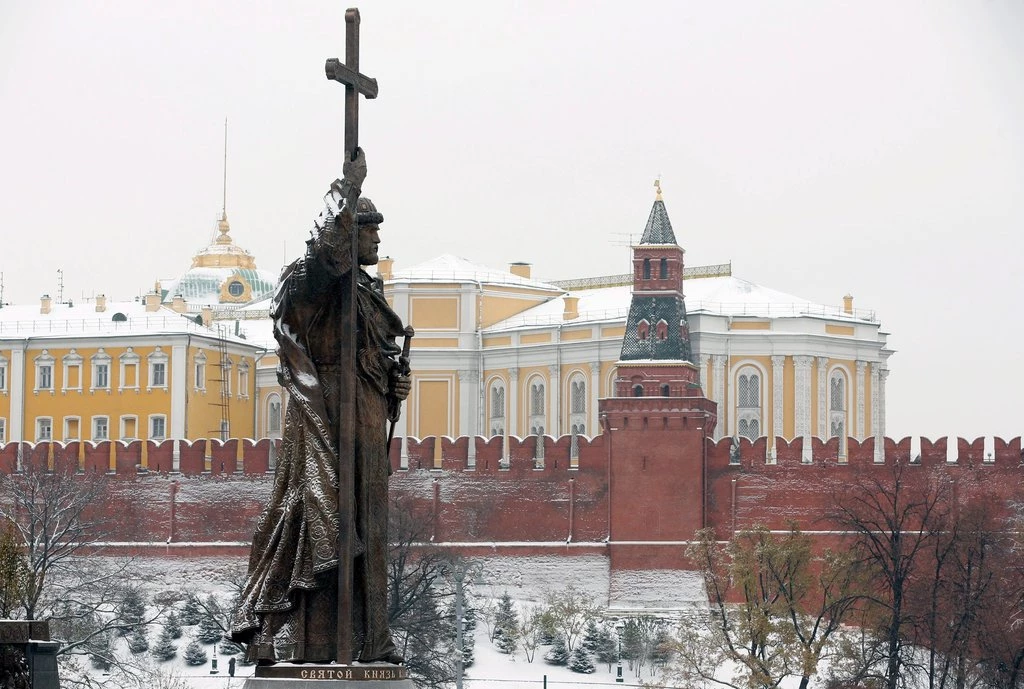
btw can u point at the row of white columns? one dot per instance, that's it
(803, 365)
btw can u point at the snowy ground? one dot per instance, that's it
(525, 579)
(491, 669)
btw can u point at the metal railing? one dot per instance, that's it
(757, 310)
(691, 273)
(92, 325)
(778, 310)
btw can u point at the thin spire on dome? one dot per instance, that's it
(222, 225)
(224, 207)
(657, 185)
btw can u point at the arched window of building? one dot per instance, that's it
(662, 330)
(577, 410)
(748, 403)
(837, 404)
(638, 390)
(647, 269)
(274, 416)
(665, 390)
(537, 418)
(643, 329)
(496, 418)
(663, 269)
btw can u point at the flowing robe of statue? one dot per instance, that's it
(288, 608)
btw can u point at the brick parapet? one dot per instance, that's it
(641, 481)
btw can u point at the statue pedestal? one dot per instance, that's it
(325, 675)
(27, 644)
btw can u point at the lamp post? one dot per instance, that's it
(619, 626)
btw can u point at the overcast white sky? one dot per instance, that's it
(874, 148)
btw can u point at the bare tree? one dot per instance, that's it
(790, 605)
(569, 610)
(530, 631)
(418, 593)
(50, 509)
(893, 518)
(13, 571)
(55, 513)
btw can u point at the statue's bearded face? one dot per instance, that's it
(369, 239)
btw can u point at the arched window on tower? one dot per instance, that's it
(496, 416)
(837, 408)
(638, 390)
(662, 330)
(647, 269)
(665, 390)
(643, 329)
(663, 269)
(577, 411)
(748, 403)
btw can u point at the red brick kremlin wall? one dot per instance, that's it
(657, 483)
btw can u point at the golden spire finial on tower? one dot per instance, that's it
(657, 186)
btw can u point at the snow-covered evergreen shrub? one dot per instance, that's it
(165, 648)
(137, 641)
(194, 653)
(581, 661)
(559, 653)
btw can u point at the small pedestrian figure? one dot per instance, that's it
(231, 667)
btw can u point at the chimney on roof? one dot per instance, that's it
(178, 304)
(207, 316)
(848, 304)
(384, 266)
(520, 269)
(152, 302)
(572, 311)
(45, 304)
(101, 303)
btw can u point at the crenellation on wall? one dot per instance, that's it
(1008, 453)
(253, 457)
(634, 493)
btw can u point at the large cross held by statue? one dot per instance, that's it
(355, 83)
(347, 73)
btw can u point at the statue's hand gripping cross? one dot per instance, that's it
(355, 83)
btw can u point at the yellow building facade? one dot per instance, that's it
(99, 371)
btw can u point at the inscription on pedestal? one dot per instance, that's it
(333, 672)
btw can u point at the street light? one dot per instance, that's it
(619, 627)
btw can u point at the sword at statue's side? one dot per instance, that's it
(356, 84)
(404, 369)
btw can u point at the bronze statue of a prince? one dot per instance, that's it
(289, 608)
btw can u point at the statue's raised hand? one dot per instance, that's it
(355, 170)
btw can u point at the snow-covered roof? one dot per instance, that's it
(725, 296)
(259, 332)
(119, 319)
(450, 268)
